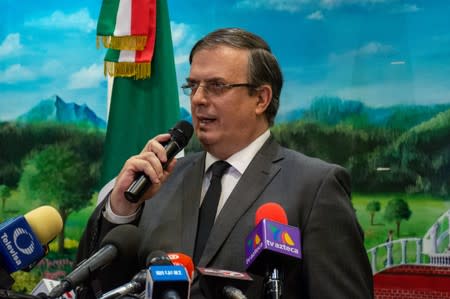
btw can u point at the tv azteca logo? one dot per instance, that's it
(278, 235)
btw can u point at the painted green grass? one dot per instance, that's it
(425, 211)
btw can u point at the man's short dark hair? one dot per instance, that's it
(263, 67)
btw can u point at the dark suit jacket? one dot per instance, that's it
(315, 195)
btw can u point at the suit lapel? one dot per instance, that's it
(258, 174)
(192, 186)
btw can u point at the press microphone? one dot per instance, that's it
(119, 244)
(181, 259)
(223, 284)
(137, 283)
(271, 247)
(24, 241)
(45, 286)
(167, 281)
(179, 138)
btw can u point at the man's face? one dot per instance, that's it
(227, 122)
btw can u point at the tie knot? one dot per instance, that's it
(218, 168)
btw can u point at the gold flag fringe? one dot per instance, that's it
(135, 42)
(127, 69)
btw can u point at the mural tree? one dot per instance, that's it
(58, 176)
(5, 192)
(397, 210)
(372, 207)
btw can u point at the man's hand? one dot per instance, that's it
(149, 161)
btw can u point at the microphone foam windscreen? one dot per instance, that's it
(182, 132)
(125, 238)
(45, 222)
(271, 211)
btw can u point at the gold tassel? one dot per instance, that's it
(127, 69)
(135, 42)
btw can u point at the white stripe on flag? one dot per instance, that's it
(123, 19)
(127, 56)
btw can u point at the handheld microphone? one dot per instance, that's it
(167, 281)
(181, 259)
(272, 246)
(24, 239)
(223, 284)
(120, 243)
(179, 138)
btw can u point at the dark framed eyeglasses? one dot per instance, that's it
(212, 88)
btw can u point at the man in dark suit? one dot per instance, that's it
(234, 85)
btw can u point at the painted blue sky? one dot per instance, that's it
(382, 52)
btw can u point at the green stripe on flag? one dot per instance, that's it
(107, 18)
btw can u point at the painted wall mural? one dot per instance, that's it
(367, 86)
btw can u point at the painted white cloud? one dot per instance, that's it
(279, 5)
(80, 20)
(87, 77)
(315, 16)
(16, 73)
(330, 4)
(11, 45)
(369, 49)
(179, 32)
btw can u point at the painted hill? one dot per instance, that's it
(56, 109)
(334, 110)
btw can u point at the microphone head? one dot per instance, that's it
(126, 239)
(157, 258)
(184, 260)
(45, 222)
(271, 211)
(182, 133)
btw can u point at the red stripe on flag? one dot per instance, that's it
(146, 55)
(140, 16)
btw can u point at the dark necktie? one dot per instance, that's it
(208, 208)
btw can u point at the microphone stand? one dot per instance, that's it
(273, 284)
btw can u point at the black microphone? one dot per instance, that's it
(120, 243)
(179, 138)
(223, 284)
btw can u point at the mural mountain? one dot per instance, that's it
(55, 109)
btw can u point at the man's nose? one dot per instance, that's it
(199, 96)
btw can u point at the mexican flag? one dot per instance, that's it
(142, 108)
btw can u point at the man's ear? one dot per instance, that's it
(264, 93)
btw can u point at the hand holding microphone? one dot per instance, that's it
(179, 138)
(142, 175)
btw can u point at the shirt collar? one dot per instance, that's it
(242, 158)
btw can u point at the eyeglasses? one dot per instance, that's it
(212, 88)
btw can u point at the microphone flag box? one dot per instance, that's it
(273, 242)
(162, 279)
(46, 285)
(19, 245)
(213, 281)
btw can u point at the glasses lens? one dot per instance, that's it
(187, 90)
